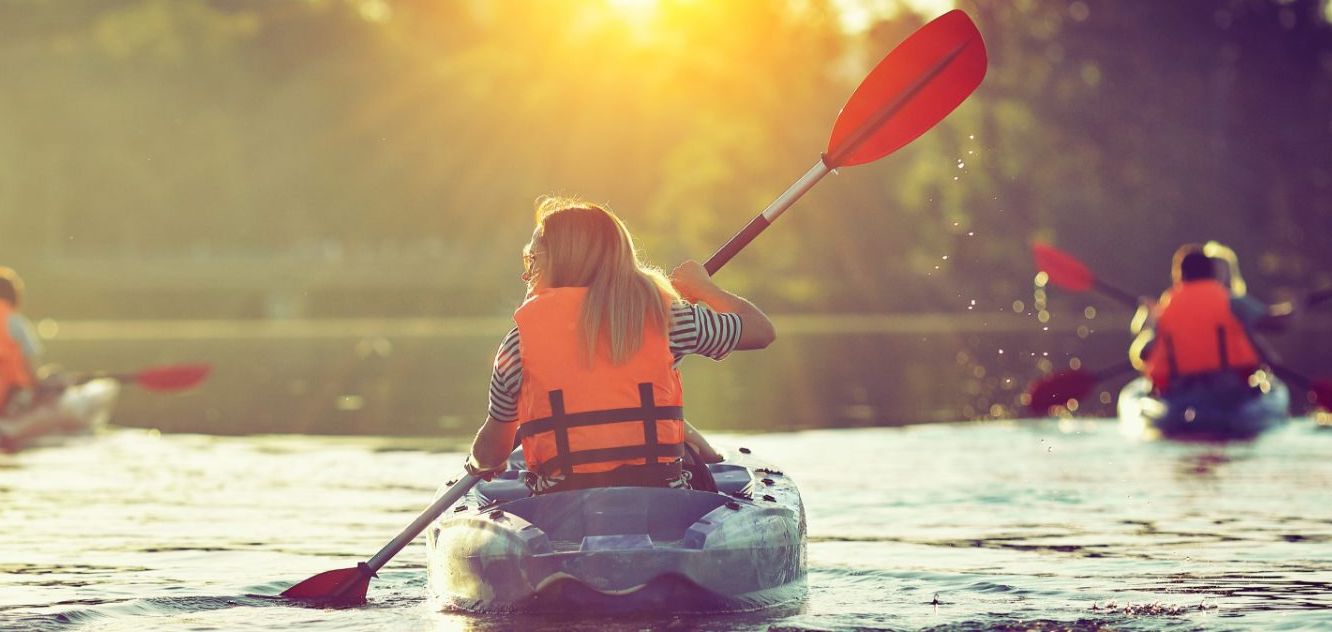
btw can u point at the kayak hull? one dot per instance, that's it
(1222, 409)
(623, 549)
(82, 409)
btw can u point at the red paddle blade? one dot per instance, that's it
(1056, 390)
(1322, 394)
(342, 587)
(1064, 270)
(914, 87)
(172, 378)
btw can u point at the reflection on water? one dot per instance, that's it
(1018, 525)
(428, 376)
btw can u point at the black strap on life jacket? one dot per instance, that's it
(1222, 353)
(1171, 364)
(559, 423)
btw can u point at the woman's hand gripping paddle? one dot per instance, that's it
(347, 586)
(913, 88)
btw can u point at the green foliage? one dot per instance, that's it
(328, 138)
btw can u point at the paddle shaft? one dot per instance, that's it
(825, 165)
(83, 378)
(1113, 371)
(1300, 380)
(1314, 298)
(1129, 300)
(173, 377)
(442, 504)
(767, 217)
(1318, 297)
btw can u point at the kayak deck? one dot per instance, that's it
(623, 549)
(1223, 409)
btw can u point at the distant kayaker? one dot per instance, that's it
(1194, 331)
(588, 378)
(20, 349)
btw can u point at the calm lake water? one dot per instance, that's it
(428, 377)
(1025, 524)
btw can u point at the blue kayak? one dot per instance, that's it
(623, 549)
(1216, 407)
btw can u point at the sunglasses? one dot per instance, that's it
(529, 256)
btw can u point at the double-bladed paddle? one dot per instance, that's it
(1068, 272)
(174, 377)
(914, 87)
(909, 91)
(163, 379)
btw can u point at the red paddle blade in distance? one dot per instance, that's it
(1064, 270)
(342, 587)
(172, 378)
(1056, 390)
(1322, 394)
(914, 87)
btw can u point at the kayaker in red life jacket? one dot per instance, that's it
(588, 380)
(20, 350)
(1194, 331)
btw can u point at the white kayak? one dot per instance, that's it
(80, 410)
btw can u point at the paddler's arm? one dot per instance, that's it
(1141, 348)
(1143, 328)
(491, 448)
(692, 281)
(1274, 318)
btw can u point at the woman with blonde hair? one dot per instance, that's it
(587, 380)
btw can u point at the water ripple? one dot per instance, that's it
(951, 527)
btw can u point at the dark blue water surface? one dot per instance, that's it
(1027, 524)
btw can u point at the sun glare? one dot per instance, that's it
(858, 15)
(636, 12)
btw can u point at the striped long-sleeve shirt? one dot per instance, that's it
(695, 330)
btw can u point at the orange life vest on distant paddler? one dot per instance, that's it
(13, 366)
(576, 418)
(1197, 333)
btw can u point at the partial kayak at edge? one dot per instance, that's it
(80, 410)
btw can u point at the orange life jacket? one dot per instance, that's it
(581, 419)
(1197, 333)
(13, 366)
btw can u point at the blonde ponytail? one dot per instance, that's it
(588, 246)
